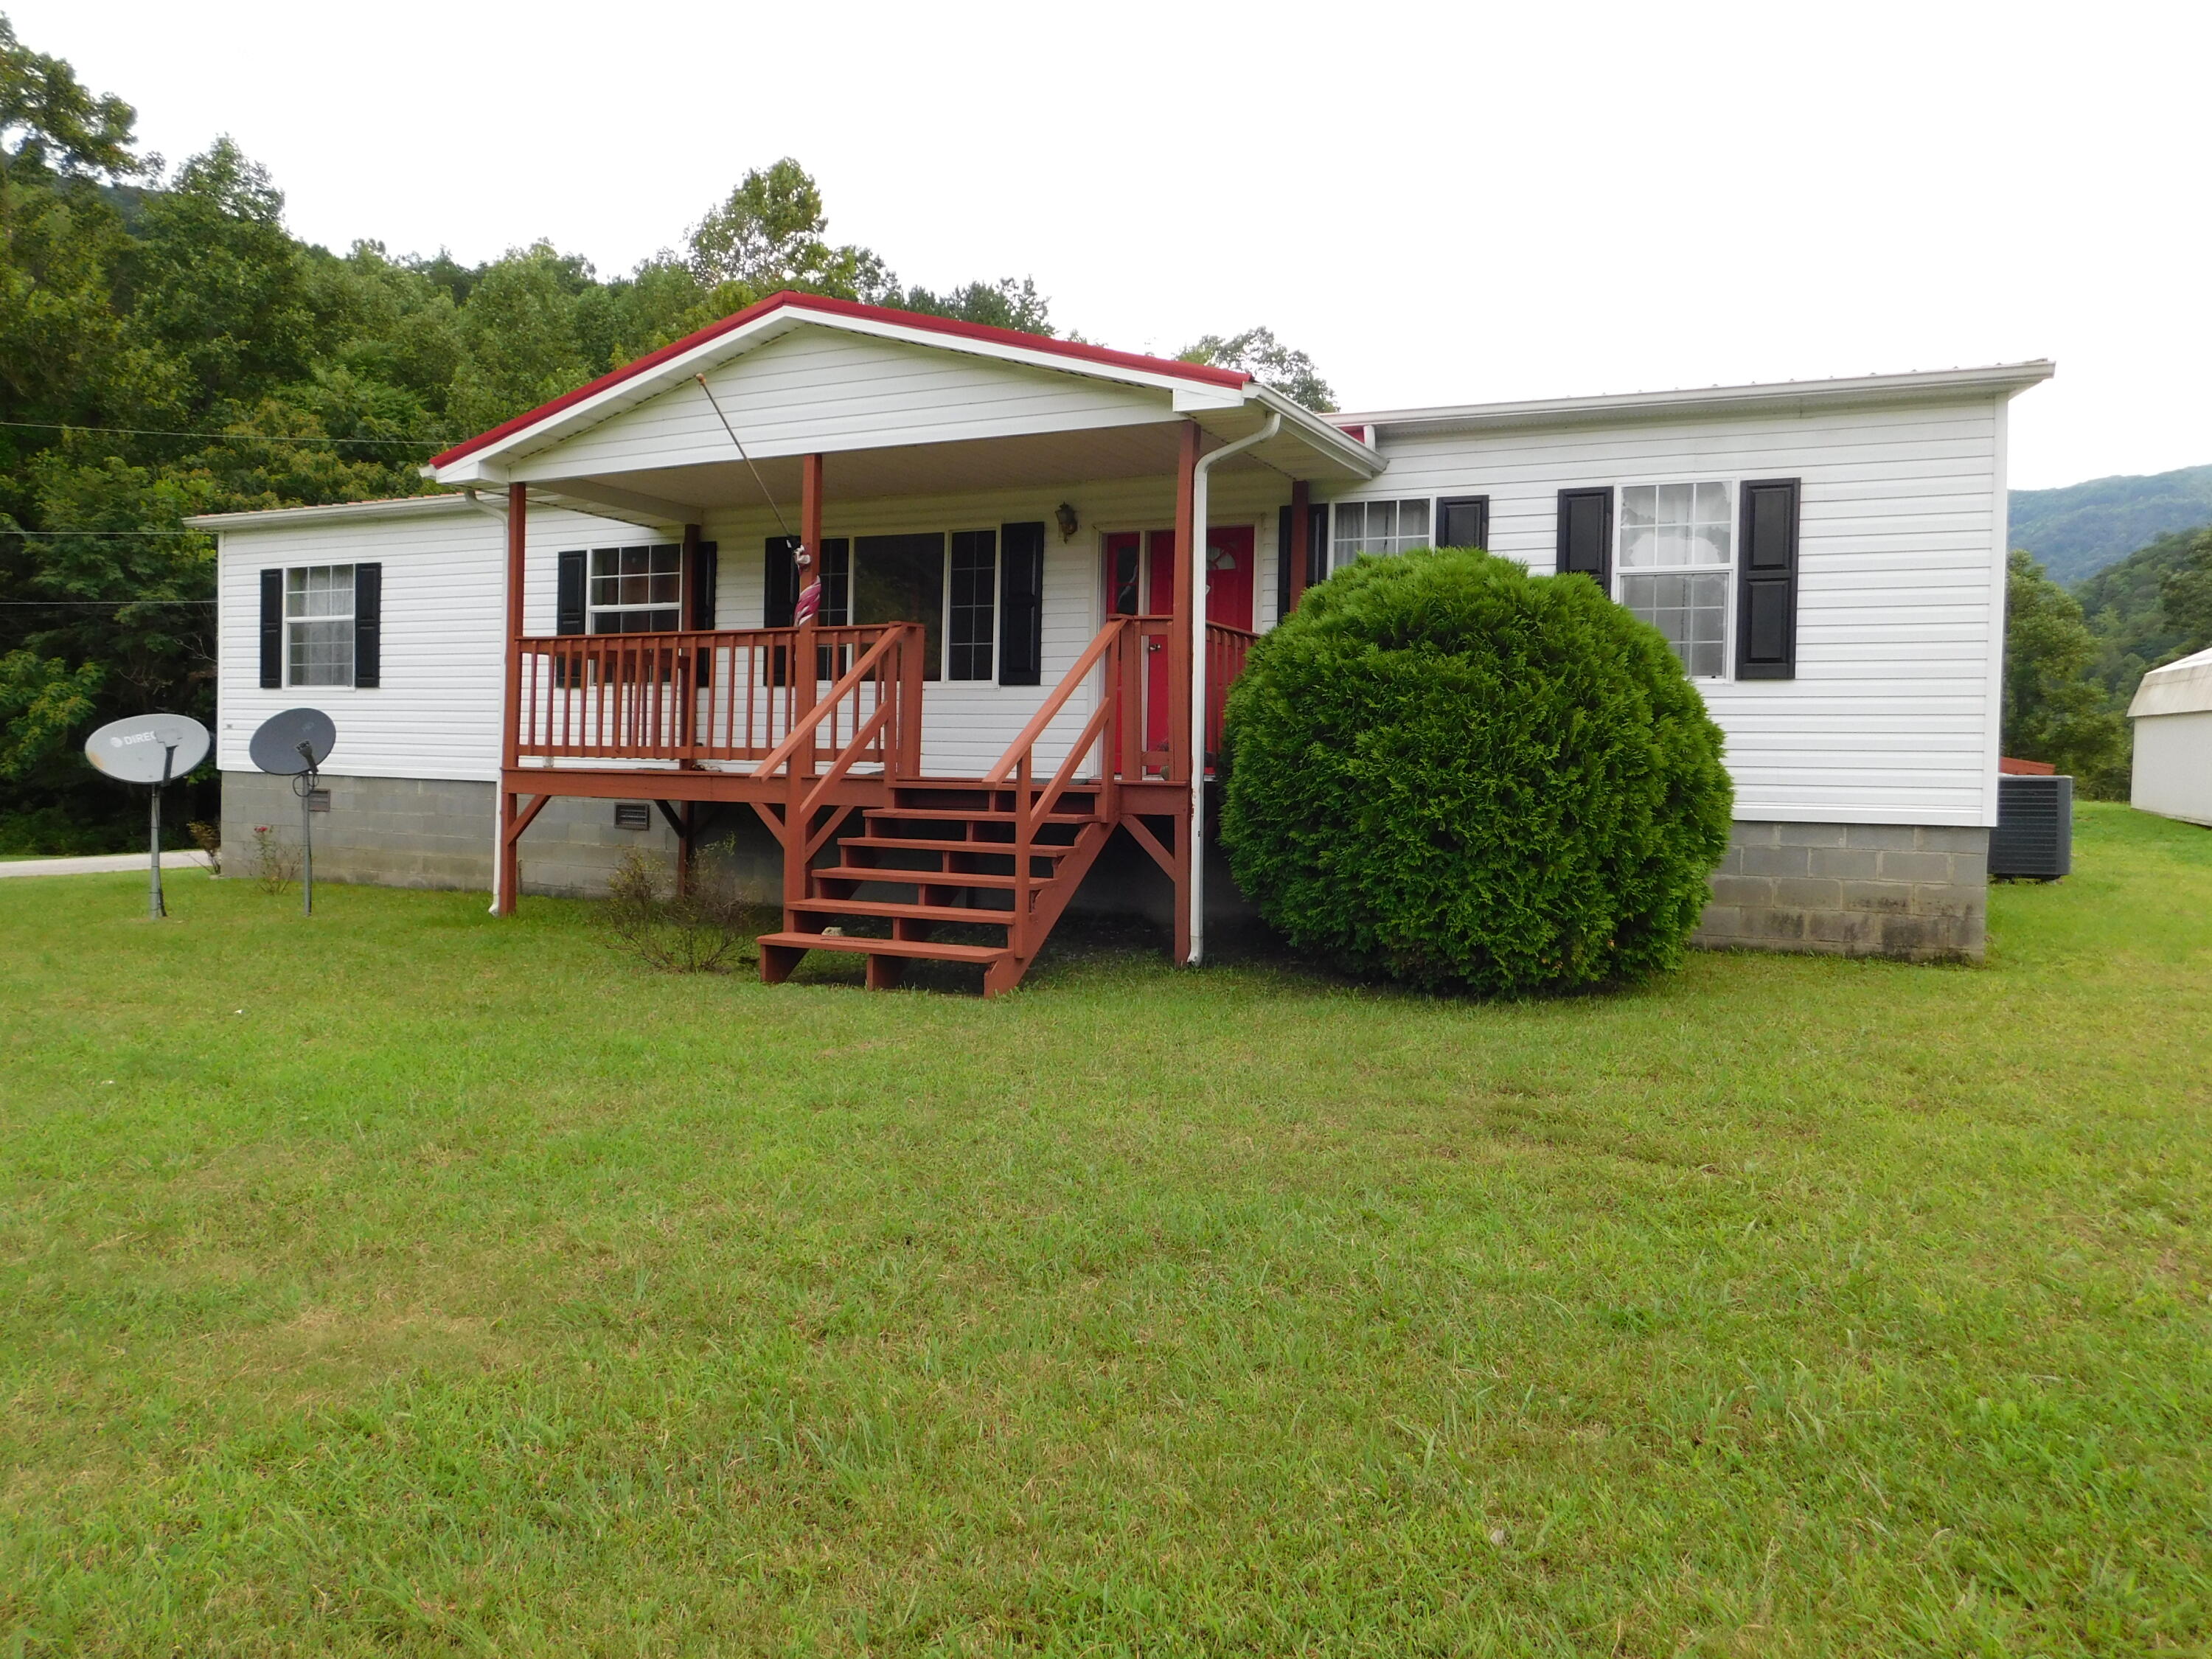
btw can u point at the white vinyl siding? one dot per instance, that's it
(1891, 715)
(817, 388)
(437, 713)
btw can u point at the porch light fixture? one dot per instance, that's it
(1064, 516)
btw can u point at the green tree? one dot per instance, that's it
(2185, 597)
(519, 346)
(767, 236)
(2054, 710)
(169, 347)
(1258, 353)
(219, 288)
(1007, 303)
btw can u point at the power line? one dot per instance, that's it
(225, 437)
(48, 605)
(17, 530)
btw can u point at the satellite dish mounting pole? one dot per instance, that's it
(155, 909)
(305, 783)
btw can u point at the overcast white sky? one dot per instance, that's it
(1443, 204)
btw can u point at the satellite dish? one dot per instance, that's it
(154, 750)
(276, 747)
(148, 747)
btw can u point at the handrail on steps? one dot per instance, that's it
(803, 728)
(1051, 705)
(1030, 808)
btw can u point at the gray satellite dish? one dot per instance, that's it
(293, 744)
(148, 747)
(154, 750)
(276, 745)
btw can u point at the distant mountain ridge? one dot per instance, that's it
(2079, 530)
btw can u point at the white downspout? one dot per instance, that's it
(1198, 505)
(498, 795)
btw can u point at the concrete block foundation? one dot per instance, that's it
(432, 832)
(1915, 892)
(1918, 892)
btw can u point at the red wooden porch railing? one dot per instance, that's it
(877, 702)
(725, 695)
(1226, 648)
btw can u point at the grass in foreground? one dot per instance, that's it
(403, 1279)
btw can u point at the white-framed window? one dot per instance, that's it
(637, 590)
(971, 605)
(319, 625)
(1674, 565)
(1377, 527)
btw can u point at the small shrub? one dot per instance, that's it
(209, 839)
(276, 867)
(1447, 771)
(708, 930)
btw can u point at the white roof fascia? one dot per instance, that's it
(1319, 430)
(1928, 384)
(482, 464)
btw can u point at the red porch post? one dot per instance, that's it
(688, 664)
(806, 688)
(505, 872)
(1179, 677)
(1301, 538)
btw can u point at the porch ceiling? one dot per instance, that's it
(1031, 460)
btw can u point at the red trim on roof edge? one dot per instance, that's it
(789, 299)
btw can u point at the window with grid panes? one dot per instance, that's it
(637, 590)
(319, 625)
(971, 615)
(1378, 527)
(1675, 563)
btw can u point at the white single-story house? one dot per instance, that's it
(2172, 716)
(994, 681)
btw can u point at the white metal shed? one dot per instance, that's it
(2172, 714)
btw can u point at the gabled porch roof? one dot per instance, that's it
(898, 403)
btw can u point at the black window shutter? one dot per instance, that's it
(368, 625)
(1586, 534)
(272, 628)
(1317, 544)
(1021, 603)
(1463, 521)
(1766, 610)
(568, 592)
(780, 600)
(705, 563)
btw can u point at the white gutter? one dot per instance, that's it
(499, 789)
(1197, 506)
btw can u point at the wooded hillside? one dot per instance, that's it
(168, 348)
(2082, 529)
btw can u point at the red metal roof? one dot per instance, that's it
(818, 302)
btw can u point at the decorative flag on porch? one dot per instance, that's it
(809, 604)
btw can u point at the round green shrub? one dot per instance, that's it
(1449, 771)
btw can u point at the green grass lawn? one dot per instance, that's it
(404, 1279)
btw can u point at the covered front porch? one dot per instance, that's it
(1011, 654)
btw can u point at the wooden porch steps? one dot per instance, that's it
(958, 831)
(947, 844)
